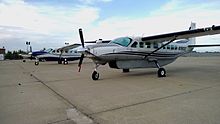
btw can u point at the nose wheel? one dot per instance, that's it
(161, 72)
(36, 62)
(95, 75)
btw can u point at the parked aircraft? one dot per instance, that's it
(64, 54)
(31, 55)
(144, 52)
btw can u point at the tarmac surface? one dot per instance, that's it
(58, 94)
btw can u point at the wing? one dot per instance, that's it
(183, 34)
(69, 47)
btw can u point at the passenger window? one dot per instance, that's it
(172, 47)
(134, 44)
(182, 48)
(66, 51)
(168, 47)
(155, 45)
(175, 47)
(147, 44)
(141, 44)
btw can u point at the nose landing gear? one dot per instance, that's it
(36, 62)
(161, 71)
(95, 74)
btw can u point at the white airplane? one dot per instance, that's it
(65, 54)
(144, 52)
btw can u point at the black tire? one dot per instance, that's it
(65, 62)
(126, 70)
(59, 62)
(24, 60)
(161, 72)
(36, 63)
(95, 75)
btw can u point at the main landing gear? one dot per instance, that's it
(161, 71)
(125, 70)
(95, 74)
(60, 61)
(65, 62)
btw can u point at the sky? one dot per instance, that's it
(52, 23)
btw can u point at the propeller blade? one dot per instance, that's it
(80, 62)
(81, 37)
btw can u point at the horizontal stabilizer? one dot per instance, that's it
(211, 45)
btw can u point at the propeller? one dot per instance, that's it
(82, 42)
(81, 37)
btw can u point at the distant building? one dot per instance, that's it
(2, 53)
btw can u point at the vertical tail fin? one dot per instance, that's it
(192, 41)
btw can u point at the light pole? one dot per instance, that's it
(28, 43)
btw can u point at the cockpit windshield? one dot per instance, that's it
(123, 41)
(48, 50)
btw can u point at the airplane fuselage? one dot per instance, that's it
(59, 55)
(144, 52)
(136, 54)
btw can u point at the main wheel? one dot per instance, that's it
(125, 70)
(95, 75)
(65, 62)
(161, 72)
(59, 62)
(36, 63)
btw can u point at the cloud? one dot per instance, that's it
(93, 1)
(20, 21)
(45, 25)
(45, 19)
(173, 16)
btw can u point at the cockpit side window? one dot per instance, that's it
(124, 41)
(147, 44)
(134, 44)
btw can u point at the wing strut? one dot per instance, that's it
(162, 46)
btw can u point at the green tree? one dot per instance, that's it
(14, 55)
